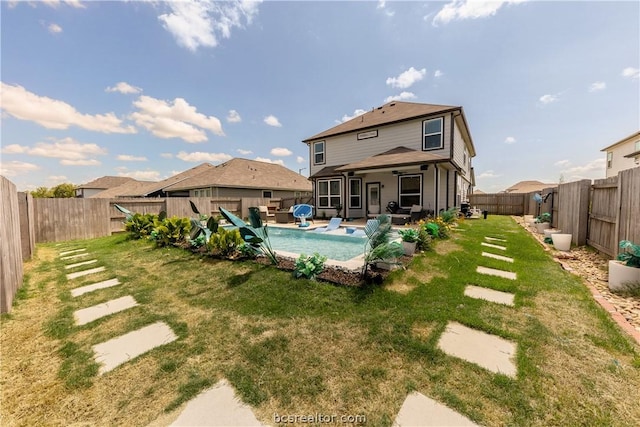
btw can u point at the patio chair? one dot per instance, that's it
(417, 213)
(334, 223)
(303, 212)
(264, 213)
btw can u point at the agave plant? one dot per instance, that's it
(631, 254)
(377, 247)
(197, 229)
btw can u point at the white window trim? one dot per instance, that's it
(441, 133)
(400, 193)
(609, 159)
(359, 206)
(329, 194)
(324, 152)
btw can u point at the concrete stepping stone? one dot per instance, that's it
(111, 354)
(78, 264)
(65, 258)
(94, 287)
(491, 245)
(89, 314)
(495, 239)
(217, 406)
(419, 410)
(492, 295)
(84, 273)
(488, 351)
(72, 251)
(500, 257)
(495, 272)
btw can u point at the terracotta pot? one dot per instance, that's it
(561, 242)
(622, 277)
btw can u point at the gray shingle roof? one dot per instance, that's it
(106, 182)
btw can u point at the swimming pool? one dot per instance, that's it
(337, 247)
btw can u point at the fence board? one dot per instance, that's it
(58, 220)
(11, 272)
(573, 210)
(27, 228)
(498, 203)
(603, 215)
(629, 212)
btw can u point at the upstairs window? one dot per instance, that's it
(636, 146)
(318, 153)
(432, 134)
(609, 159)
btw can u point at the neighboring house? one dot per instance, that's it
(243, 178)
(528, 187)
(129, 187)
(403, 152)
(624, 154)
(98, 185)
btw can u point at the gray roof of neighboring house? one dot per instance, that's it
(244, 173)
(391, 112)
(129, 187)
(152, 187)
(106, 182)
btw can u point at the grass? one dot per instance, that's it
(296, 347)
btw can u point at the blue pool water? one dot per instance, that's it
(338, 247)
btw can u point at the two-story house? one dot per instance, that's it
(624, 154)
(403, 152)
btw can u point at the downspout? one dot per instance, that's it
(436, 181)
(447, 189)
(455, 188)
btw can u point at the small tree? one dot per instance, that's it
(42, 193)
(64, 190)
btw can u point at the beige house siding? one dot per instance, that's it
(343, 149)
(619, 162)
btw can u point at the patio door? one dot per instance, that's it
(373, 198)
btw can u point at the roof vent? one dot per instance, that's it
(392, 104)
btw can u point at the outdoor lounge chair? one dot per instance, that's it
(303, 212)
(334, 223)
(417, 213)
(264, 213)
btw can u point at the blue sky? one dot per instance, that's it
(147, 89)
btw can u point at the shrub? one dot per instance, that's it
(631, 254)
(409, 235)
(543, 217)
(309, 266)
(424, 240)
(140, 225)
(449, 216)
(225, 242)
(170, 231)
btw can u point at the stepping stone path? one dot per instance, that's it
(494, 256)
(489, 351)
(87, 315)
(85, 273)
(419, 410)
(494, 272)
(94, 287)
(491, 245)
(111, 354)
(80, 255)
(494, 239)
(492, 295)
(217, 406)
(72, 251)
(78, 264)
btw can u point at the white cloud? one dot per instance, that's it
(264, 159)
(201, 23)
(244, 152)
(129, 158)
(148, 175)
(356, 113)
(597, 86)
(489, 174)
(15, 167)
(562, 163)
(88, 162)
(56, 179)
(166, 155)
(233, 117)
(200, 156)
(590, 170)
(469, 9)
(548, 99)
(66, 148)
(407, 78)
(403, 95)
(175, 119)
(123, 87)
(509, 140)
(280, 152)
(54, 114)
(630, 72)
(54, 28)
(272, 121)
(301, 159)
(382, 5)
(438, 73)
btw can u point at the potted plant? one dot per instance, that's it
(624, 271)
(543, 221)
(561, 241)
(409, 240)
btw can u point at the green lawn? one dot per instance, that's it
(295, 347)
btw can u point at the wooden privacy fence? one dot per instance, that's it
(57, 220)
(599, 214)
(11, 272)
